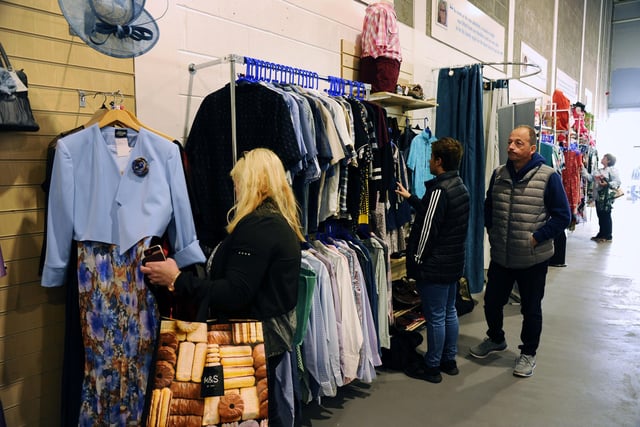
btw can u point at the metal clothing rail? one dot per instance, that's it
(537, 70)
(259, 70)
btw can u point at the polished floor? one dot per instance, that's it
(588, 363)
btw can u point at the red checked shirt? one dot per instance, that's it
(380, 32)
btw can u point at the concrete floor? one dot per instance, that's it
(588, 370)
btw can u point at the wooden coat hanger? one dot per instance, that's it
(120, 117)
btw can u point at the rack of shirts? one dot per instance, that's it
(259, 70)
(336, 146)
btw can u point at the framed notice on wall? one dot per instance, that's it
(567, 85)
(466, 28)
(529, 56)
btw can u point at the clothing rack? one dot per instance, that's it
(493, 64)
(264, 71)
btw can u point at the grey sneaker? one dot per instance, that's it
(487, 347)
(524, 365)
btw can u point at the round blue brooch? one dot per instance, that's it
(140, 166)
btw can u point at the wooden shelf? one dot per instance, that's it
(389, 99)
(400, 313)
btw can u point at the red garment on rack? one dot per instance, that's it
(571, 178)
(562, 103)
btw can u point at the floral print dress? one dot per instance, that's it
(119, 320)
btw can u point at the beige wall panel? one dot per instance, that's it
(30, 341)
(21, 271)
(21, 247)
(23, 296)
(21, 172)
(34, 386)
(22, 222)
(28, 414)
(70, 77)
(35, 317)
(53, 123)
(15, 369)
(29, 21)
(43, 5)
(23, 145)
(16, 198)
(68, 101)
(58, 51)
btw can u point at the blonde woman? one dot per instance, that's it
(254, 271)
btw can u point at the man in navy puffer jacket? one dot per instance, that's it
(436, 253)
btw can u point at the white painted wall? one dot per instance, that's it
(300, 33)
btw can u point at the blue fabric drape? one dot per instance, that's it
(459, 115)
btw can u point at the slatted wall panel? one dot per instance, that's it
(36, 38)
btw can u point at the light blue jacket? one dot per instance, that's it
(96, 196)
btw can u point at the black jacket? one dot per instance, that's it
(436, 247)
(254, 273)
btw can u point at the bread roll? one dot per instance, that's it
(199, 334)
(211, 415)
(168, 339)
(251, 403)
(237, 371)
(259, 334)
(165, 402)
(187, 327)
(164, 374)
(167, 326)
(185, 421)
(239, 382)
(262, 389)
(219, 337)
(230, 408)
(185, 390)
(235, 350)
(199, 356)
(220, 327)
(253, 332)
(261, 372)
(187, 407)
(264, 409)
(237, 361)
(185, 361)
(259, 358)
(168, 354)
(154, 408)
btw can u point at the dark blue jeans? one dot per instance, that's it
(439, 309)
(531, 282)
(605, 223)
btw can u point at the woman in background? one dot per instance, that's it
(605, 180)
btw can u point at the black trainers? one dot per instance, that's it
(449, 367)
(431, 375)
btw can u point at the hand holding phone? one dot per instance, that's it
(154, 253)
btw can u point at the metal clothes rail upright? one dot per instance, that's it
(338, 85)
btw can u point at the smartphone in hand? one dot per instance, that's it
(154, 253)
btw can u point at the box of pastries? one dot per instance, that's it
(209, 374)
